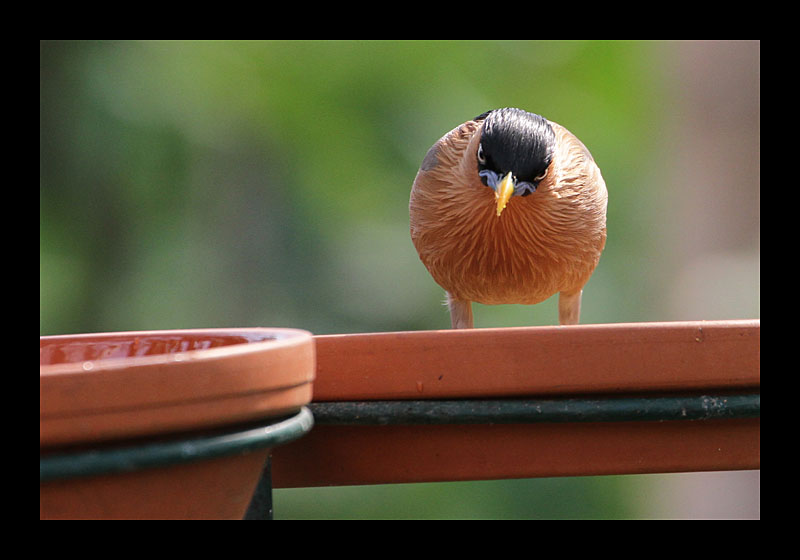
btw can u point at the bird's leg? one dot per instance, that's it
(569, 308)
(460, 312)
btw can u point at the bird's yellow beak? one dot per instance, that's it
(504, 191)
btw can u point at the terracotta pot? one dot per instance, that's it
(101, 395)
(539, 361)
(534, 364)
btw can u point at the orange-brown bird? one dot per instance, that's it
(509, 208)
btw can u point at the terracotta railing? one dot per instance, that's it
(529, 402)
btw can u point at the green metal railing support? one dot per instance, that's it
(516, 411)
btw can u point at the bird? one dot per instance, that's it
(509, 208)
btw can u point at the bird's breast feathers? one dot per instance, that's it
(543, 243)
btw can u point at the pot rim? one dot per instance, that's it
(116, 398)
(282, 337)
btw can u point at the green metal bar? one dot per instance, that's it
(260, 507)
(536, 411)
(106, 460)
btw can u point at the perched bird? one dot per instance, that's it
(509, 208)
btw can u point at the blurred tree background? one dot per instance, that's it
(265, 183)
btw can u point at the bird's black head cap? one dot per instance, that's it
(516, 141)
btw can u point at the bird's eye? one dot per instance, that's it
(481, 157)
(540, 176)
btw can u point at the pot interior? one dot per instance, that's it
(65, 350)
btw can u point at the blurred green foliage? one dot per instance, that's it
(209, 184)
(550, 498)
(266, 183)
